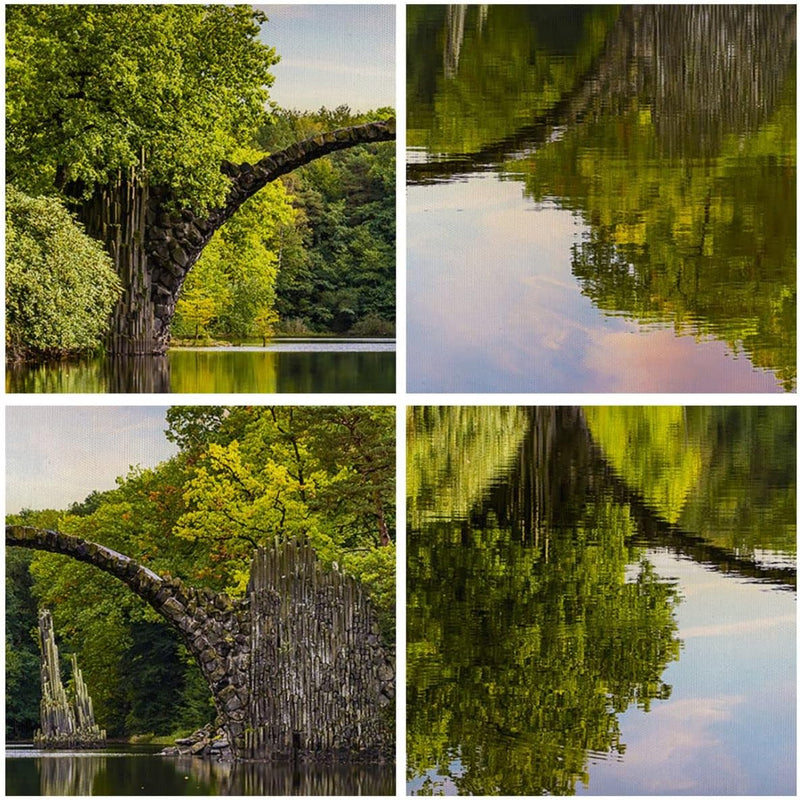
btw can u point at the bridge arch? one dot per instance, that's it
(296, 668)
(154, 245)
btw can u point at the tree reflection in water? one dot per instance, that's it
(534, 617)
(131, 773)
(669, 130)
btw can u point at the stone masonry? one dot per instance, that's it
(297, 668)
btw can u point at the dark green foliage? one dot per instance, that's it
(337, 267)
(157, 672)
(22, 651)
(92, 89)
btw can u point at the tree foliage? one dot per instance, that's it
(476, 83)
(60, 286)
(22, 651)
(230, 292)
(167, 93)
(170, 89)
(337, 267)
(707, 246)
(313, 252)
(691, 465)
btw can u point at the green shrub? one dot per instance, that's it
(60, 283)
(373, 325)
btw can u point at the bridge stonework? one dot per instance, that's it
(154, 243)
(297, 668)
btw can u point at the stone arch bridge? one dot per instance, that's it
(296, 668)
(153, 243)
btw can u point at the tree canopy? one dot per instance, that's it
(171, 89)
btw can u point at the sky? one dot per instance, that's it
(332, 55)
(57, 455)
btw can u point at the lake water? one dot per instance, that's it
(602, 601)
(298, 366)
(601, 199)
(138, 770)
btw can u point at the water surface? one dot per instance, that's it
(601, 199)
(308, 366)
(601, 601)
(139, 770)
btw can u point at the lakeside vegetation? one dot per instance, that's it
(243, 477)
(313, 251)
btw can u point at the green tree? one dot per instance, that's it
(233, 284)
(477, 80)
(22, 651)
(280, 472)
(91, 90)
(707, 246)
(726, 474)
(60, 285)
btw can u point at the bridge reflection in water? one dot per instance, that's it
(606, 197)
(590, 589)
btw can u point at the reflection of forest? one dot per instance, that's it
(723, 474)
(486, 82)
(116, 774)
(669, 129)
(535, 619)
(203, 371)
(282, 780)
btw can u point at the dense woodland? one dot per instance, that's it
(92, 96)
(243, 476)
(314, 253)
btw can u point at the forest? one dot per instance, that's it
(314, 253)
(243, 477)
(119, 129)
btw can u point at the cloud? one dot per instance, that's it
(741, 627)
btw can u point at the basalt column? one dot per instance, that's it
(321, 683)
(64, 723)
(116, 214)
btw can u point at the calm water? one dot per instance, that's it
(601, 601)
(312, 366)
(139, 771)
(601, 199)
